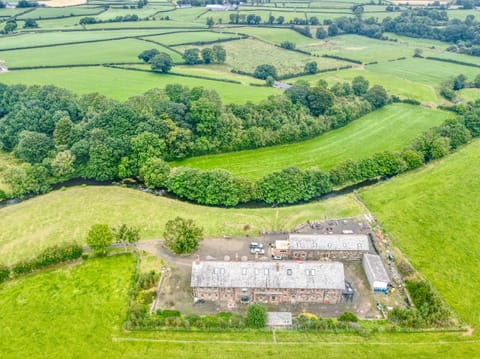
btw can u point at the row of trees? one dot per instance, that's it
(207, 55)
(47, 257)
(101, 236)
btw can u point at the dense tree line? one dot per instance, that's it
(59, 135)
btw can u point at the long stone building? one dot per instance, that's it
(322, 246)
(268, 282)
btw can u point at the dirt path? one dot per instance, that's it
(342, 343)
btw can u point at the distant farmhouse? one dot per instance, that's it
(323, 246)
(268, 282)
(222, 7)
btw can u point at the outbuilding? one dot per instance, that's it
(375, 271)
(279, 320)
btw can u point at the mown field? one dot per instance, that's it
(65, 216)
(122, 84)
(433, 215)
(390, 128)
(115, 51)
(285, 61)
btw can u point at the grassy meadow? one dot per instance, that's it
(390, 128)
(433, 216)
(114, 51)
(285, 61)
(122, 84)
(66, 215)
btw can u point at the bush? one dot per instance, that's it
(348, 317)
(58, 254)
(23, 267)
(4, 273)
(256, 316)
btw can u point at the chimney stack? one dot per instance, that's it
(277, 265)
(197, 259)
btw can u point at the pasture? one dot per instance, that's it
(433, 216)
(117, 51)
(470, 94)
(179, 38)
(390, 128)
(66, 216)
(121, 84)
(285, 61)
(58, 37)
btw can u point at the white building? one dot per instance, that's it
(376, 273)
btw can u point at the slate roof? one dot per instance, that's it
(279, 319)
(272, 275)
(374, 265)
(329, 242)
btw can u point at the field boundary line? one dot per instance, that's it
(243, 342)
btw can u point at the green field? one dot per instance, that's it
(470, 94)
(285, 61)
(67, 215)
(59, 37)
(78, 311)
(390, 128)
(433, 215)
(92, 53)
(360, 48)
(61, 11)
(66, 312)
(121, 84)
(187, 37)
(419, 79)
(275, 35)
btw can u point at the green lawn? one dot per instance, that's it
(121, 84)
(65, 216)
(390, 128)
(93, 53)
(433, 214)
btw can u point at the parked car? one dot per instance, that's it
(256, 245)
(257, 250)
(277, 258)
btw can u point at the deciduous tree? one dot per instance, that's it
(182, 235)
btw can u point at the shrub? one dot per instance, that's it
(4, 273)
(348, 317)
(256, 316)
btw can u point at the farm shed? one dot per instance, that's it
(279, 319)
(375, 271)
